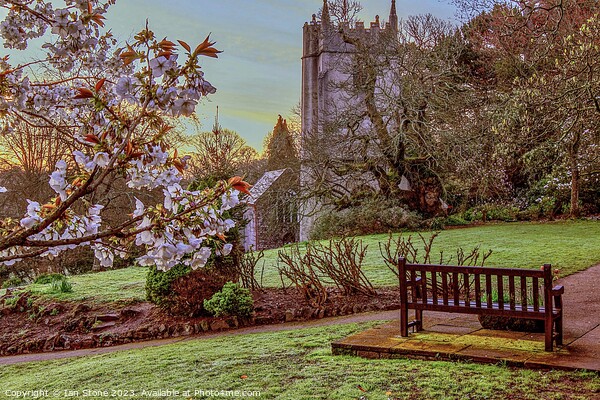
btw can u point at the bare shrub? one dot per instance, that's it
(300, 270)
(247, 269)
(341, 261)
(338, 261)
(404, 247)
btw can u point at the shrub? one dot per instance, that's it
(339, 261)
(373, 216)
(158, 283)
(422, 253)
(472, 214)
(231, 300)
(502, 213)
(12, 282)
(455, 220)
(189, 292)
(46, 279)
(247, 269)
(546, 207)
(492, 212)
(181, 291)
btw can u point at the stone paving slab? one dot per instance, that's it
(486, 355)
(452, 329)
(451, 341)
(427, 347)
(460, 337)
(508, 334)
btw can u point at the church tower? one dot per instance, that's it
(393, 21)
(324, 51)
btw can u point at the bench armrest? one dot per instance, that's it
(558, 290)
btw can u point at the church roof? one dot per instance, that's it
(264, 183)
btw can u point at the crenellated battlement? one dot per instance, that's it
(321, 35)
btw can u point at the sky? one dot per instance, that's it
(258, 75)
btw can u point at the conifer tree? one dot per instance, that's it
(280, 148)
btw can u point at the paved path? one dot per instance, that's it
(581, 327)
(582, 318)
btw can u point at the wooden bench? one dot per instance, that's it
(505, 292)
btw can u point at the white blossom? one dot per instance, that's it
(200, 258)
(76, 42)
(59, 184)
(101, 159)
(227, 247)
(229, 200)
(162, 64)
(184, 106)
(139, 208)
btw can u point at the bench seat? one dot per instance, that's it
(495, 309)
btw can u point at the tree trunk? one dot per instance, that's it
(574, 168)
(575, 211)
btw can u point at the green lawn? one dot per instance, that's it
(107, 286)
(298, 364)
(291, 365)
(567, 245)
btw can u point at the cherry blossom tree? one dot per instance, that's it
(114, 104)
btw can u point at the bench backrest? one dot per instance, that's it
(506, 291)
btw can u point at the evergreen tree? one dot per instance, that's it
(280, 148)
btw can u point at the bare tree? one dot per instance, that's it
(397, 96)
(219, 153)
(28, 156)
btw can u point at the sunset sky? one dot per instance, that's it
(259, 74)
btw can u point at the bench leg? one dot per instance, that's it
(419, 320)
(559, 329)
(548, 325)
(558, 324)
(404, 321)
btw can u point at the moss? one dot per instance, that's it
(489, 342)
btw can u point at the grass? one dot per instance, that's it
(570, 246)
(298, 364)
(292, 365)
(107, 286)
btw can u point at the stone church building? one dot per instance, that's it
(323, 58)
(271, 217)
